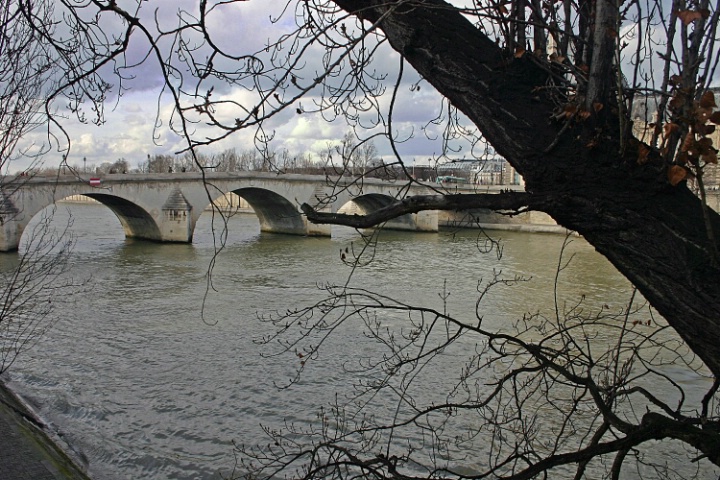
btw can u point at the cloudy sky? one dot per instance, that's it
(137, 123)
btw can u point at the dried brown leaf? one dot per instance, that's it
(570, 109)
(643, 154)
(670, 128)
(689, 16)
(710, 157)
(708, 100)
(676, 174)
(688, 142)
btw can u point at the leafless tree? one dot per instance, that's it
(25, 81)
(29, 291)
(582, 391)
(37, 278)
(553, 87)
(226, 161)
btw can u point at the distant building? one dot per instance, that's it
(493, 170)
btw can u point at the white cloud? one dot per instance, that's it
(130, 130)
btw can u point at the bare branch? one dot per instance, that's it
(511, 202)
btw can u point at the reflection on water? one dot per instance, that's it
(147, 387)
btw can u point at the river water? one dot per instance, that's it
(144, 386)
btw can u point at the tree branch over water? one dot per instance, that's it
(511, 202)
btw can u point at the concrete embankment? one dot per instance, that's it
(28, 449)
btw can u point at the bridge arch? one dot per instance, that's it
(275, 212)
(135, 220)
(370, 202)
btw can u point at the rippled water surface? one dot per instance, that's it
(144, 386)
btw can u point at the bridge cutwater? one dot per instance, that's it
(165, 207)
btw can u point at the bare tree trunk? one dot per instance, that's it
(601, 78)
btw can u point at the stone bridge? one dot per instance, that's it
(165, 207)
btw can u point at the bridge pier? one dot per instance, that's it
(318, 230)
(315, 230)
(10, 233)
(176, 227)
(298, 226)
(426, 221)
(11, 228)
(417, 222)
(176, 223)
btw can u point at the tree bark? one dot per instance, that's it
(652, 232)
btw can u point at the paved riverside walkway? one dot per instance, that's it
(26, 450)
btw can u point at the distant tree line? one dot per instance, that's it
(342, 158)
(346, 157)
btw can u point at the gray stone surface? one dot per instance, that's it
(26, 450)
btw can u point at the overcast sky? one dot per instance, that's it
(244, 27)
(137, 124)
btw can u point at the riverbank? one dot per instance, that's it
(28, 450)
